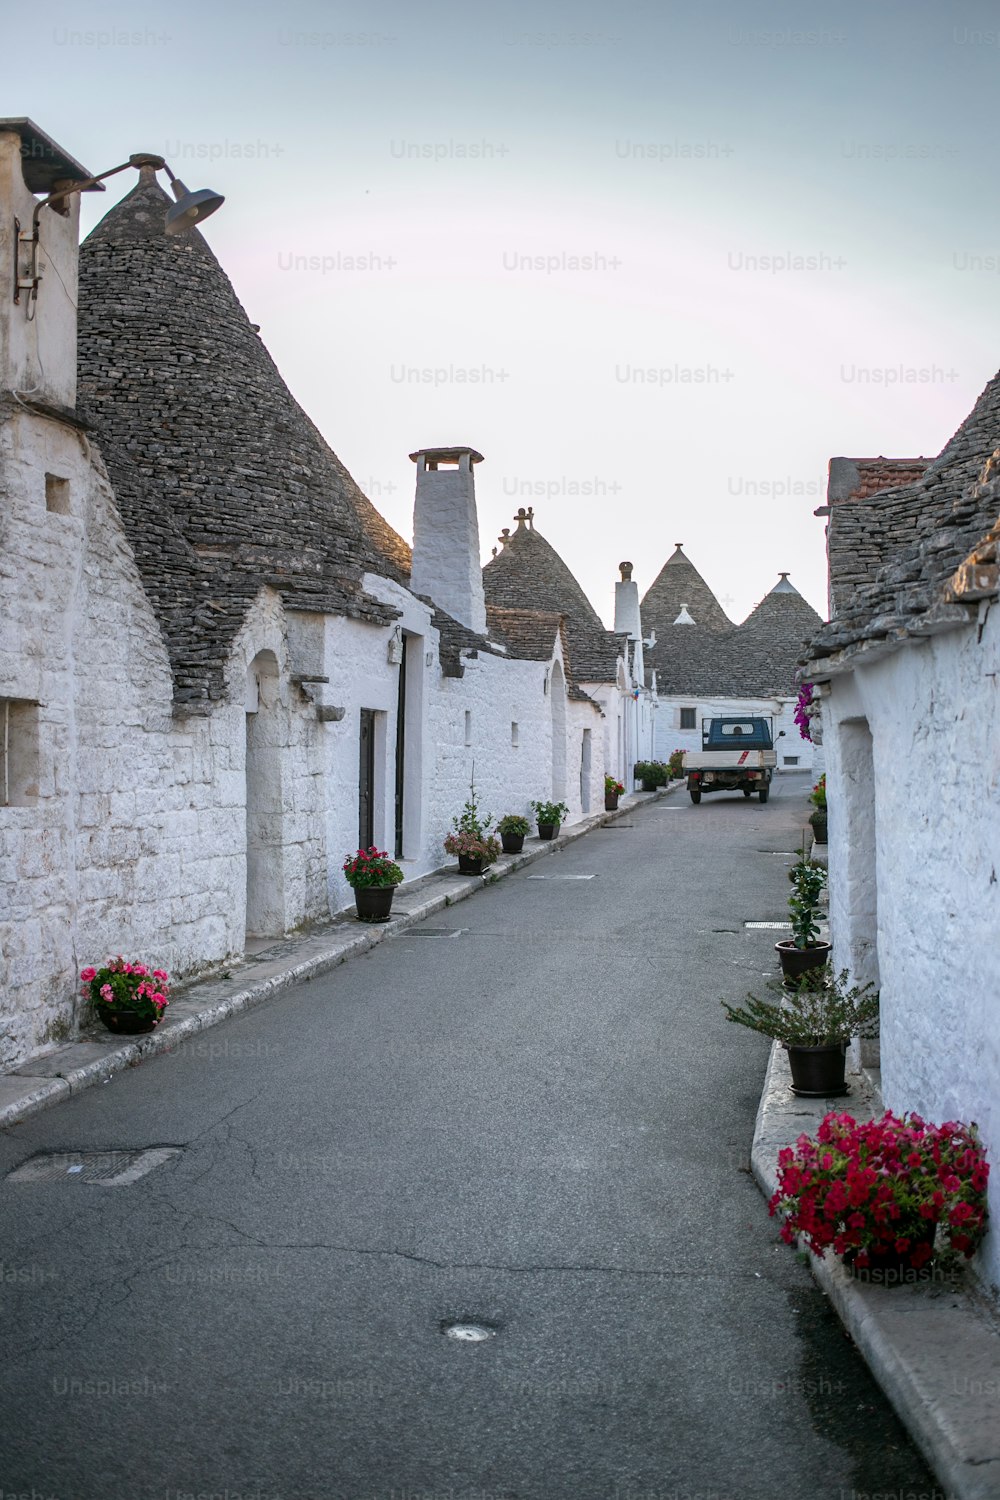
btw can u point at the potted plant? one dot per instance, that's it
(818, 818)
(550, 816)
(129, 998)
(613, 789)
(814, 1022)
(877, 1193)
(652, 773)
(675, 765)
(475, 848)
(373, 877)
(803, 950)
(513, 829)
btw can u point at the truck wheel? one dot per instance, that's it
(746, 791)
(764, 793)
(695, 796)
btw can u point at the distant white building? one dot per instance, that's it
(707, 666)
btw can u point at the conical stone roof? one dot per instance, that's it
(772, 638)
(528, 574)
(223, 483)
(677, 584)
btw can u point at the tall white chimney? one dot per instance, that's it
(627, 604)
(446, 565)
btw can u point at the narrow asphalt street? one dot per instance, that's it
(529, 1114)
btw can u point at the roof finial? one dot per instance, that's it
(495, 551)
(678, 545)
(531, 518)
(625, 569)
(504, 536)
(521, 517)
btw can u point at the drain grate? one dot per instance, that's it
(99, 1168)
(771, 926)
(562, 877)
(435, 932)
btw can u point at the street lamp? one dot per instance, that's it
(189, 210)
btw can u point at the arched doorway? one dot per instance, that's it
(265, 903)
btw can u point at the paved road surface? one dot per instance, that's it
(538, 1121)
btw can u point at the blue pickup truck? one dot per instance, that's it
(737, 754)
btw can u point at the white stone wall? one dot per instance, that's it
(669, 736)
(933, 896)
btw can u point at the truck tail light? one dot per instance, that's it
(694, 776)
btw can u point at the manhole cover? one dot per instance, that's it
(468, 1333)
(435, 932)
(771, 926)
(101, 1168)
(561, 877)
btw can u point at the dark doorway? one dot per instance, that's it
(366, 781)
(400, 750)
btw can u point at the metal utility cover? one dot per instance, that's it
(771, 926)
(99, 1168)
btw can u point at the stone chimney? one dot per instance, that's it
(446, 565)
(39, 277)
(627, 604)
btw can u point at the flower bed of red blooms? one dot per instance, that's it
(121, 985)
(371, 867)
(874, 1188)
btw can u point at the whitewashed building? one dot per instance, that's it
(707, 666)
(220, 669)
(909, 667)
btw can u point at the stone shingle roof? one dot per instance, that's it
(754, 660)
(678, 583)
(528, 574)
(223, 483)
(527, 633)
(913, 560)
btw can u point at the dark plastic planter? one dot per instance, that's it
(818, 1072)
(548, 830)
(512, 843)
(373, 902)
(798, 961)
(889, 1268)
(127, 1022)
(471, 864)
(610, 803)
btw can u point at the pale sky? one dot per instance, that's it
(414, 190)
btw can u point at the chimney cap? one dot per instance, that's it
(448, 455)
(625, 568)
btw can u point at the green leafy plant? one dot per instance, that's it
(879, 1187)
(123, 986)
(470, 835)
(675, 765)
(613, 787)
(818, 794)
(808, 881)
(370, 868)
(514, 825)
(550, 812)
(652, 772)
(821, 1010)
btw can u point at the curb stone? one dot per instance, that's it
(934, 1351)
(50, 1077)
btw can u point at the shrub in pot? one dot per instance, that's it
(817, 818)
(652, 773)
(803, 950)
(675, 765)
(470, 840)
(373, 877)
(129, 998)
(513, 829)
(814, 1021)
(613, 789)
(550, 816)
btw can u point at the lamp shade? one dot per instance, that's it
(190, 208)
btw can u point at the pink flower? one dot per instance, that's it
(159, 974)
(107, 993)
(87, 975)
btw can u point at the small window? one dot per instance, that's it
(688, 718)
(18, 752)
(513, 734)
(791, 760)
(468, 726)
(57, 494)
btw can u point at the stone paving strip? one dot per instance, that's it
(198, 1004)
(934, 1349)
